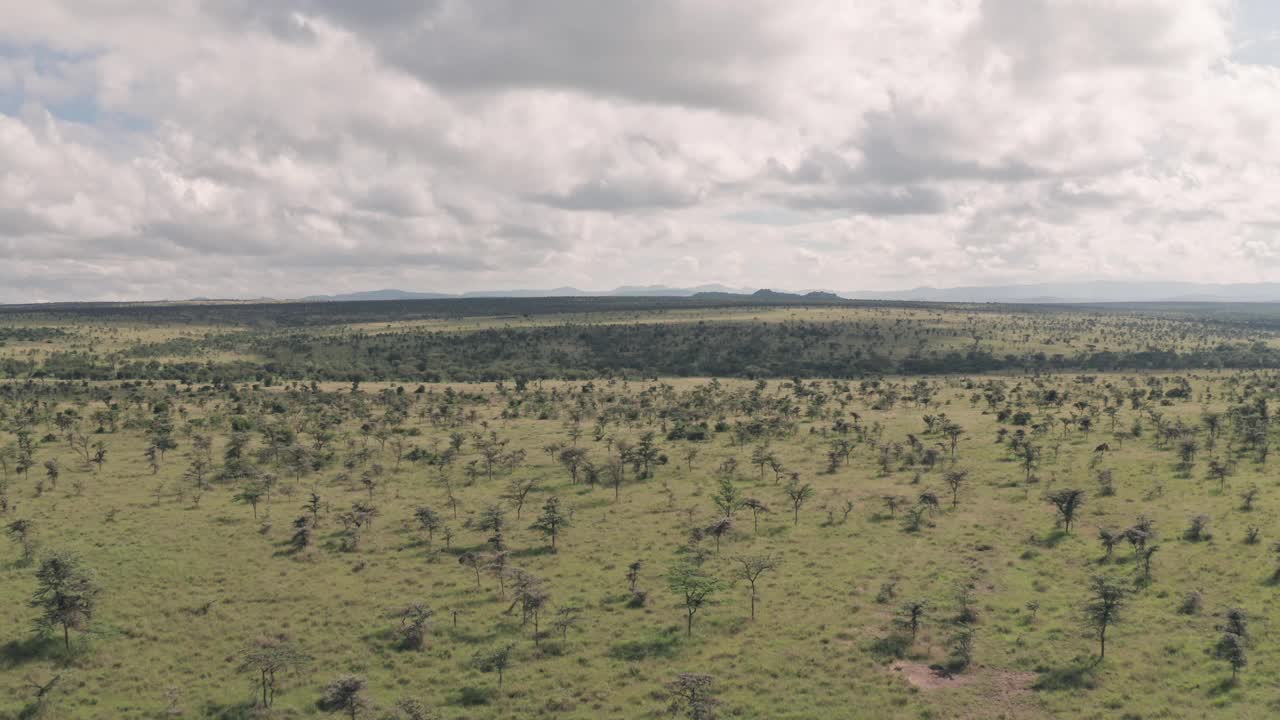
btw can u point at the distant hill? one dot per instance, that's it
(624, 291)
(1103, 291)
(375, 295)
(1084, 292)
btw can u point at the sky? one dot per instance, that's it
(168, 149)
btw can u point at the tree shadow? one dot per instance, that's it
(34, 648)
(663, 644)
(1078, 676)
(1223, 687)
(538, 551)
(470, 638)
(1052, 538)
(244, 710)
(894, 645)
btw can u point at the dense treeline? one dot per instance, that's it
(306, 314)
(31, 334)
(729, 349)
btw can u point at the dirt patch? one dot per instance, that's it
(997, 692)
(1012, 681)
(1003, 684)
(926, 678)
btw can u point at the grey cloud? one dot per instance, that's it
(339, 260)
(903, 147)
(870, 201)
(1076, 197)
(20, 222)
(394, 200)
(1173, 216)
(531, 234)
(627, 195)
(203, 237)
(304, 146)
(699, 54)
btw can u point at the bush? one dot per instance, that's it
(662, 645)
(1198, 530)
(469, 696)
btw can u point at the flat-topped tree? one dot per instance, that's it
(345, 694)
(269, 658)
(1067, 502)
(750, 568)
(757, 509)
(955, 478)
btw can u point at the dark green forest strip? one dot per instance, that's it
(743, 349)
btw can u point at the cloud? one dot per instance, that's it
(230, 147)
(874, 201)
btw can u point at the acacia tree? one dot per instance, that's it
(728, 498)
(750, 568)
(913, 616)
(429, 520)
(474, 561)
(953, 433)
(99, 455)
(567, 618)
(1230, 648)
(1068, 502)
(23, 532)
(633, 575)
(551, 521)
(798, 493)
(955, 478)
(415, 623)
(1028, 458)
(573, 459)
(517, 492)
(757, 509)
(694, 586)
(66, 595)
(345, 694)
(496, 660)
(1109, 539)
(52, 472)
(691, 695)
(270, 657)
(1106, 599)
(719, 529)
(493, 520)
(1144, 562)
(250, 495)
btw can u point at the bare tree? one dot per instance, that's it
(798, 493)
(750, 568)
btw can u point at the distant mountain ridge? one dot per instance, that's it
(1100, 291)
(624, 291)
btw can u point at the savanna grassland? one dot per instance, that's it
(510, 509)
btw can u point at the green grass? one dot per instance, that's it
(822, 645)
